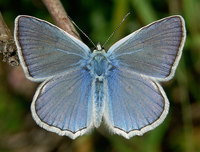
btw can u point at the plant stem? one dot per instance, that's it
(60, 17)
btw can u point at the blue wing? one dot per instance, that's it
(135, 103)
(63, 104)
(46, 50)
(154, 50)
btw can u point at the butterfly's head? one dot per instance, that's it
(99, 49)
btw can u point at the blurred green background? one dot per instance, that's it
(180, 131)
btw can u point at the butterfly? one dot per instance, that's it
(81, 88)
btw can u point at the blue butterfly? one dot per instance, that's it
(81, 89)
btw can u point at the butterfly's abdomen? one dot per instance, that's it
(99, 101)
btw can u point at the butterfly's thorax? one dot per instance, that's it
(99, 65)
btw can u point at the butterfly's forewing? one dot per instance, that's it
(154, 50)
(46, 50)
(63, 104)
(135, 104)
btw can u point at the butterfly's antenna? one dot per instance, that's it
(82, 31)
(116, 28)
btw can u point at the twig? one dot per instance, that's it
(7, 44)
(60, 17)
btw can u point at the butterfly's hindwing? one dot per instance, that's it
(135, 104)
(63, 104)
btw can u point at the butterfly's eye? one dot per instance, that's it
(95, 48)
